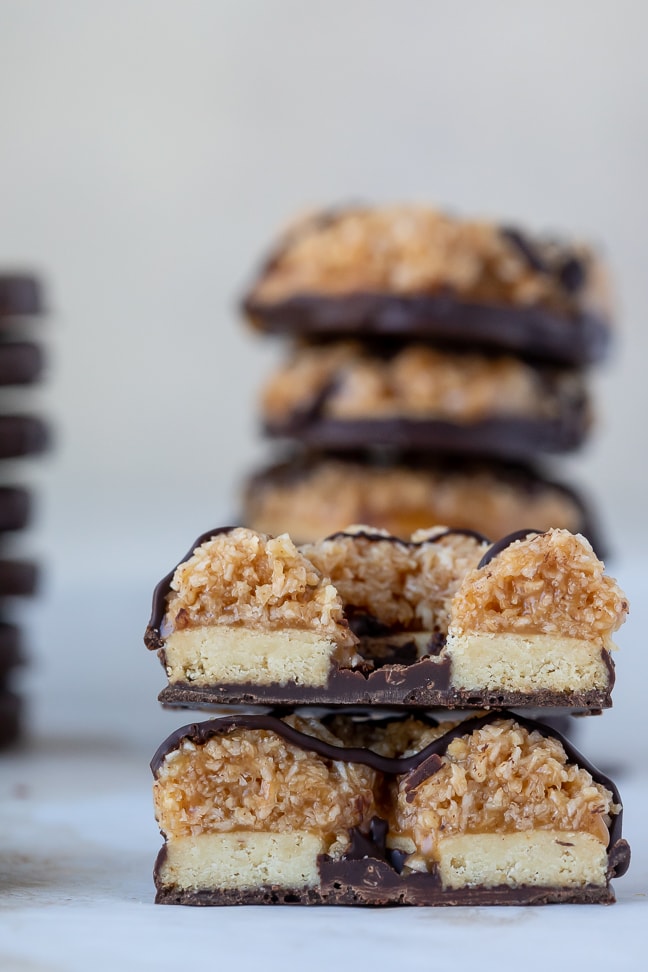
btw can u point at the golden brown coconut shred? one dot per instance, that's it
(398, 583)
(254, 780)
(550, 584)
(502, 779)
(407, 250)
(248, 579)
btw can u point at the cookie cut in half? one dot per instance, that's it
(365, 618)
(495, 810)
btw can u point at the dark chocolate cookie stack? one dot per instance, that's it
(22, 434)
(435, 366)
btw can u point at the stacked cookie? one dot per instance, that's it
(420, 785)
(21, 434)
(413, 782)
(434, 363)
(431, 361)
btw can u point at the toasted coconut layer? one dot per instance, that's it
(249, 579)
(551, 583)
(417, 382)
(254, 780)
(501, 779)
(417, 250)
(316, 500)
(399, 583)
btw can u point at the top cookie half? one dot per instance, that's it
(409, 271)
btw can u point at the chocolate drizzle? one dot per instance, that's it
(163, 587)
(153, 636)
(377, 537)
(505, 542)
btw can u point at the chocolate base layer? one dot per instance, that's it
(19, 294)
(371, 883)
(534, 331)
(506, 438)
(399, 687)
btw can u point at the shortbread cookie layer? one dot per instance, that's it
(348, 395)
(414, 272)
(364, 618)
(495, 810)
(312, 496)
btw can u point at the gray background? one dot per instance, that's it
(149, 152)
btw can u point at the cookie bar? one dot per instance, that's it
(348, 395)
(22, 435)
(19, 294)
(21, 362)
(364, 618)
(11, 656)
(495, 810)
(18, 578)
(11, 714)
(15, 507)
(413, 272)
(11, 653)
(313, 495)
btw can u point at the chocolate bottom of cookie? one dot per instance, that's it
(535, 331)
(396, 691)
(504, 438)
(371, 890)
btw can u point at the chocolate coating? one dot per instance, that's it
(505, 437)
(20, 363)
(11, 711)
(22, 435)
(533, 331)
(18, 578)
(15, 507)
(11, 652)
(505, 542)
(418, 686)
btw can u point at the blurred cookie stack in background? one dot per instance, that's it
(435, 366)
(22, 434)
